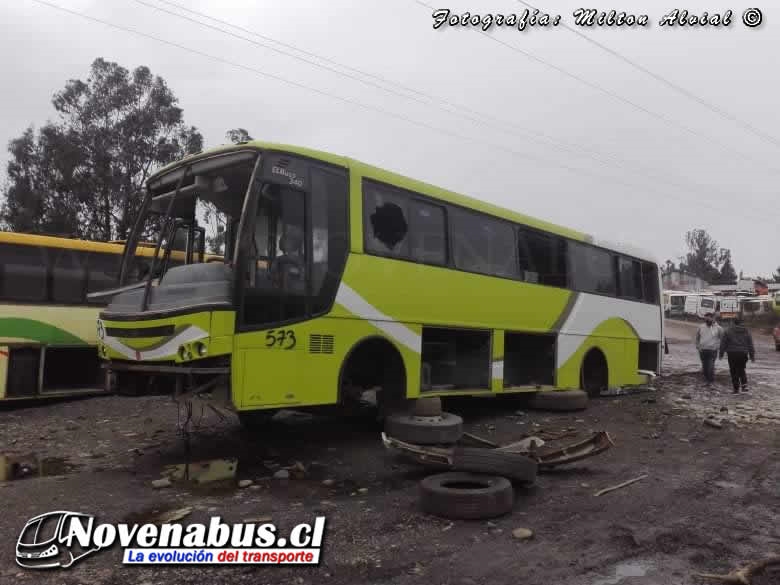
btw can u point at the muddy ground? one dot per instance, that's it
(709, 503)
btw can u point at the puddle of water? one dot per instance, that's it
(625, 571)
(13, 467)
(201, 472)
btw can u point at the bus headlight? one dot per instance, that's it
(200, 348)
(182, 352)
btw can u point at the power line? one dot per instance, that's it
(294, 48)
(500, 124)
(668, 121)
(497, 123)
(674, 86)
(368, 107)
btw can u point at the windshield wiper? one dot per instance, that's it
(113, 291)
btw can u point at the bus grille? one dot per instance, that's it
(320, 343)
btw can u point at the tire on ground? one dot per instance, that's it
(514, 466)
(560, 400)
(425, 430)
(466, 496)
(430, 406)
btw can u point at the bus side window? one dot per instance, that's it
(329, 235)
(103, 271)
(483, 244)
(542, 258)
(650, 282)
(593, 269)
(386, 221)
(69, 275)
(630, 273)
(24, 271)
(428, 233)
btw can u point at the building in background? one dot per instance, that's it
(684, 281)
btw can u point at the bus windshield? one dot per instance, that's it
(195, 209)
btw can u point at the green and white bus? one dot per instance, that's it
(47, 324)
(340, 277)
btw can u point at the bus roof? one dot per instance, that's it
(421, 187)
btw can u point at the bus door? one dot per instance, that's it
(292, 250)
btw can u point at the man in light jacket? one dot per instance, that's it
(708, 339)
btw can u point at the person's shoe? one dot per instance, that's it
(745, 388)
(736, 391)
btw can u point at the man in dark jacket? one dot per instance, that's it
(738, 344)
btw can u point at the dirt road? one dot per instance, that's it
(709, 502)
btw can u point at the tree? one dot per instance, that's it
(668, 267)
(237, 135)
(706, 259)
(727, 273)
(81, 175)
(703, 255)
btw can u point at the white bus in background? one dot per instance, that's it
(674, 303)
(758, 305)
(727, 308)
(697, 305)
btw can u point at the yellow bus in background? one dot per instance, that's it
(47, 323)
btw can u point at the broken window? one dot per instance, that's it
(427, 238)
(386, 221)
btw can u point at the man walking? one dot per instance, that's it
(738, 344)
(708, 341)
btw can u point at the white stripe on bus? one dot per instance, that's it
(360, 307)
(168, 348)
(590, 311)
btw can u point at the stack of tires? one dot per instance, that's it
(479, 484)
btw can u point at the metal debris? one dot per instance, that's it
(620, 485)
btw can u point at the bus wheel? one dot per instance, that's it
(594, 375)
(514, 466)
(426, 406)
(466, 496)
(375, 363)
(444, 429)
(559, 400)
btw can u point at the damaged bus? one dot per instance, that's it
(339, 278)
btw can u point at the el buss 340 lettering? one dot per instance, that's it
(343, 267)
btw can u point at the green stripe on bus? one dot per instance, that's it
(37, 331)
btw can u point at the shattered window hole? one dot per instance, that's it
(389, 225)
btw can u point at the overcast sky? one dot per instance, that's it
(613, 169)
